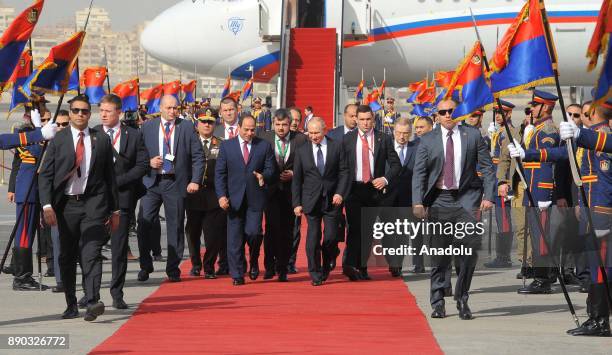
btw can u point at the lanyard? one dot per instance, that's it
(167, 137)
(281, 152)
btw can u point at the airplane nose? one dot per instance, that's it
(157, 36)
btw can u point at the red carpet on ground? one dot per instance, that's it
(267, 317)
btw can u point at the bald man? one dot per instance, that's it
(175, 170)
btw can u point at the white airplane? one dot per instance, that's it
(407, 38)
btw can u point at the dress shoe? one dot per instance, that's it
(49, 273)
(438, 312)
(526, 271)
(363, 274)
(238, 281)
(195, 271)
(119, 303)
(143, 275)
(291, 269)
(159, 258)
(27, 283)
(352, 273)
(282, 277)
(254, 272)
(58, 289)
(599, 327)
(94, 310)
(498, 263)
(174, 278)
(82, 302)
(222, 272)
(571, 279)
(537, 287)
(464, 310)
(269, 274)
(395, 271)
(71, 312)
(418, 270)
(316, 282)
(210, 275)
(8, 269)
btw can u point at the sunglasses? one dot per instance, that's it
(75, 111)
(63, 124)
(444, 112)
(574, 115)
(44, 119)
(206, 121)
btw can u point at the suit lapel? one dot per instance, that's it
(124, 140)
(377, 139)
(94, 138)
(311, 158)
(330, 153)
(158, 135)
(177, 124)
(464, 142)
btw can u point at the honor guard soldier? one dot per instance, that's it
(599, 141)
(385, 124)
(597, 183)
(540, 176)
(263, 118)
(499, 142)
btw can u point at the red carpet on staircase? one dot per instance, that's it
(267, 317)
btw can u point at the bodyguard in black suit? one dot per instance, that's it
(372, 163)
(130, 161)
(78, 192)
(280, 220)
(204, 215)
(176, 166)
(320, 183)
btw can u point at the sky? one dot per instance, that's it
(125, 14)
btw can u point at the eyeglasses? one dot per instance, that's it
(75, 111)
(63, 124)
(574, 115)
(444, 112)
(528, 111)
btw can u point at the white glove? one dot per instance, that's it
(516, 151)
(35, 118)
(491, 130)
(599, 233)
(48, 131)
(388, 119)
(568, 130)
(527, 132)
(544, 204)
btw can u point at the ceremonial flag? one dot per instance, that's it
(422, 110)
(172, 88)
(235, 95)
(443, 78)
(247, 89)
(52, 76)
(427, 95)
(600, 45)
(93, 80)
(416, 89)
(359, 92)
(153, 97)
(522, 60)
(227, 87)
(372, 100)
(73, 83)
(469, 82)
(20, 74)
(383, 85)
(128, 92)
(188, 90)
(14, 39)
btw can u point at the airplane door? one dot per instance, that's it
(357, 19)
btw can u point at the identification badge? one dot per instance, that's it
(169, 157)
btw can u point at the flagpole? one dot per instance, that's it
(138, 81)
(107, 71)
(521, 172)
(570, 147)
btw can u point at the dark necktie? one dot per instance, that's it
(449, 162)
(320, 160)
(402, 154)
(206, 148)
(167, 166)
(79, 152)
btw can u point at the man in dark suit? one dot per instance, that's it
(320, 183)
(131, 162)
(372, 163)
(280, 220)
(176, 168)
(337, 134)
(399, 191)
(204, 215)
(77, 181)
(228, 128)
(445, 181)
(244, 166)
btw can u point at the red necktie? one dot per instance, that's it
(366, 176)
(245, 151)
(80, 151)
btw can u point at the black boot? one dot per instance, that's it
(537, 287)
(23, 280)
(599, 327)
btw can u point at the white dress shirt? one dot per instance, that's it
(76, 185)
(347, 130)
(370, 138)
(227, 131)
(280, 144)
(241, 141)
(457, 150)
(398, 149)
(116, 133)
(315, 151)
(162, 133)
